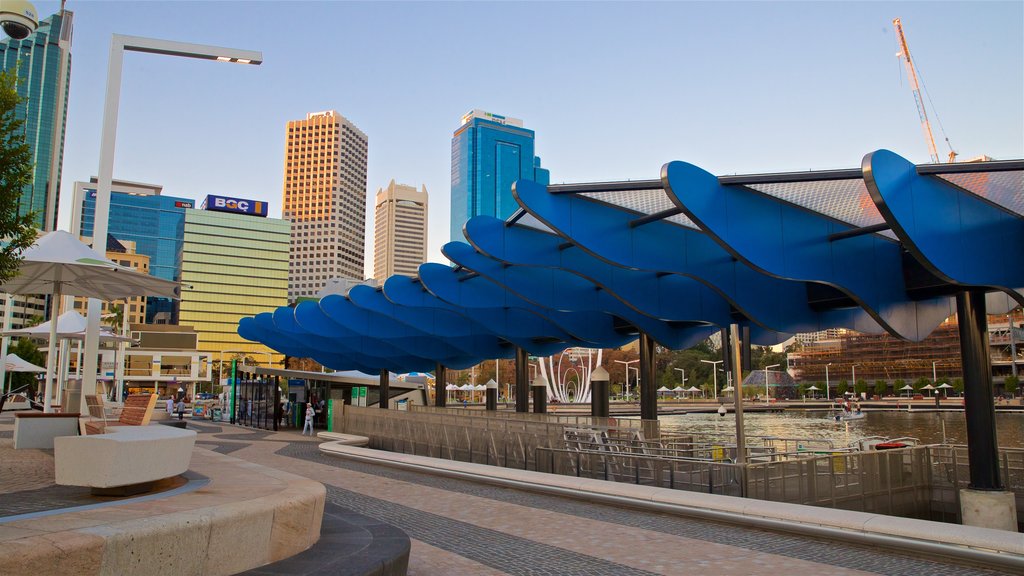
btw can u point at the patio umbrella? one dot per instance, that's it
(71, 325)
(15, 363)
(451, 387)
(907, 388)
(728, 389)
(928, 387)
(60, 264)
(664, 389)
(943, 386)
(812, 387)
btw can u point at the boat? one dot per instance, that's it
(839, 416)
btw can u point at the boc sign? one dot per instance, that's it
(236, 205)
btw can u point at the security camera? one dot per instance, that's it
(18, 18)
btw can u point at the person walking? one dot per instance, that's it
(310, 414)
(181, 408)
(170, 406)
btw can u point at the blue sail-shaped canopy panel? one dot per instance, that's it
(261, 329)
(667, 297)
(962, 237)
(447, 327)
(409, 292)
(313, 319)
(379, 330)
(558, 289)
(605, 232)
(791, 242)
(516, 317)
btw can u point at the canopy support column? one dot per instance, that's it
(648, 382)
(979, 402)
(385, 388)
(492, 395)
(440, 384)
(540, 396)
(522, 381)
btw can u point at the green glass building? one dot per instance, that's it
(232, 265)
(43, 62)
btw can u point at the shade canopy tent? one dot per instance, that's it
(70, 325)
(15, 363)
(813, 388)
(59, 264)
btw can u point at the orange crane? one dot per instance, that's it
(921, 112)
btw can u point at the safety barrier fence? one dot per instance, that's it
(915, 482)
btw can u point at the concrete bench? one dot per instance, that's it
(344, 439)
(38, 429)
(125, 460)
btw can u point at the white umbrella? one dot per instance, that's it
(728, 389)
(60, 264)
(15, 363)
(907, 387)
(679, 389)
(812, 387)
(928, 387)
(664, 389)
(693, 389)
(70, 325)
(451, 387)
(943, 386)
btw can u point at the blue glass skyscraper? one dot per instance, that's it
(489, 153)
(43, 62)
(155, 223)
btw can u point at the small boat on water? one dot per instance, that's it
(841, 416)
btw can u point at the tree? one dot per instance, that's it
(1010, 384)
(899, 383)
(958, 385)
(842, 387)
(114, 316)
(15, 175)
(921, 383)
(861, 386)
(881, 387)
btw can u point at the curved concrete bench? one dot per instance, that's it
(124, 457)
(344, 439)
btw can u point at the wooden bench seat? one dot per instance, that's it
(138, 410)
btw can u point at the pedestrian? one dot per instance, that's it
(310, 413)
(181, 408)
(170, 406)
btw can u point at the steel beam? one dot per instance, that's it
(979, 402)
(522, 380)
(648, 381)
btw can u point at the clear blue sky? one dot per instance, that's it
(613, 90)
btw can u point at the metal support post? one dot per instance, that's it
(440, 384)
(648, 382)
(540, 396)
(599, 392)
(492, 395)
(385, 388)
(979, 401)
(745, 352)
(522, 381)
(733, 348)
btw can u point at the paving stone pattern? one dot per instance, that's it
(847, 556)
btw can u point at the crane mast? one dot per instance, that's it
(912, 74)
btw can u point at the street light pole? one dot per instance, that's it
(828, 394)
(934, 377)
(119, 44)
(853, 376)
(766, 369)
(714, 372)
(627, 363)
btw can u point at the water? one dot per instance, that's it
(925, 426)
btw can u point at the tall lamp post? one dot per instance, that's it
(828, 394)
(627, 363)
(119, 44)
(766, 369)
(935, 378)
(714, 373)
(853, 377)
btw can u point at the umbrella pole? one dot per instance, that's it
(8, 301)
(51, 354)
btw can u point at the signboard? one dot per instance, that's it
(180, 204)
(235, 205)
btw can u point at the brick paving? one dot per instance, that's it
(464, 527)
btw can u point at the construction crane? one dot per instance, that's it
(921, 112)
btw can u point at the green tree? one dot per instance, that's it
(114, 316)
(15, 175)
(28, 352)
(899, 383)
(881, 387)
(1010, 384)
(842, 387)
(921, 383)
(958, 385)
(861, 386)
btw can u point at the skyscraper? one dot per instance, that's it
(399, 230)
(155, 223)
(234, 264)
(43, 62)
(325, 201)
(489, 153)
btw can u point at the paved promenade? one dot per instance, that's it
(463, 527)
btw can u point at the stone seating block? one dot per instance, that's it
(344, 439)
(124, 456)
(38, 429)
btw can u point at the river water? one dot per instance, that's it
(925, 426)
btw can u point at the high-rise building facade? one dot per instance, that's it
(399, 230)
(234, 264)
(139, 213)
(43, 63)
(325, 200)
(489, 153)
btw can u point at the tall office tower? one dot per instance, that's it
(139, 213)
(234, 264)
(43, 62)
(399, 231)
(325, 201)
(489, 153)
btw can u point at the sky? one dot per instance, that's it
(613, 90)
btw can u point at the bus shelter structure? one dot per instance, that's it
(886, 247)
